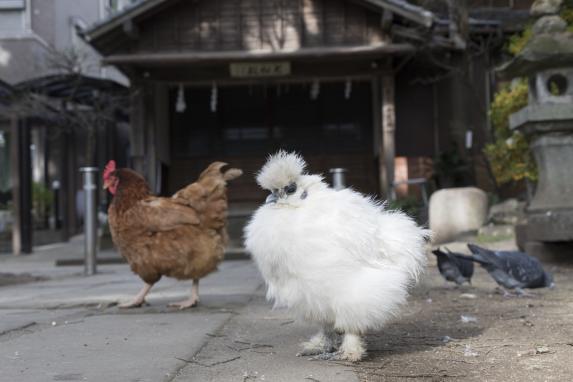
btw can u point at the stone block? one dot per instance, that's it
(545, 7)
(454, 211)
(550, 252)
(511, 211)
(549, 24)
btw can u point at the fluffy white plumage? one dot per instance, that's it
(333, 257)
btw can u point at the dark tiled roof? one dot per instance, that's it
(138, 7)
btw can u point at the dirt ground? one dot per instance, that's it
(506, 339)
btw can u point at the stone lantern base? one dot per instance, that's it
(550, 213)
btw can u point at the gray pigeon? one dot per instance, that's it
(512, 270)
(454, 267)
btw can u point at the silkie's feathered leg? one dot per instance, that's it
(322, 342)
(139, 299)
(351, 349)
(190, 302)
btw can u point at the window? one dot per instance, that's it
(12, 4)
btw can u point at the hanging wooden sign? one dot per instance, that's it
(259, 69)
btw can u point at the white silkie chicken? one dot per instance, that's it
(333, 257)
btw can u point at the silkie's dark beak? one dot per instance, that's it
(272, 198)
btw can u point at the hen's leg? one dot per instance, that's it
(192, 301)
(322, 342)
(139, 299)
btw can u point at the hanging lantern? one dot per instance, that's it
(180, 105)
(348, 89)
(314, 90)
(214, 92)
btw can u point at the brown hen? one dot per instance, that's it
(182, 237)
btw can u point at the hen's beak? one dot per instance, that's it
(106, 184)
(272, 198)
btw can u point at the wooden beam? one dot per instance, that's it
(257, 55)
(130, 29)
(388, 149)
(137, 126)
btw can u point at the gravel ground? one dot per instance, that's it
(502, 339)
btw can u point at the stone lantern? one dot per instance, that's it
(547, 61)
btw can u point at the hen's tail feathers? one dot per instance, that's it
(208, 195)
(232, 173)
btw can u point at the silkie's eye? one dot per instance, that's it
(290, 189)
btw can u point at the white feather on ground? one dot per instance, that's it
(333, 257)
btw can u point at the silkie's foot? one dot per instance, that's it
(189, 303)
(322, 342)
(339, 356)
(309, 348)
(352, 348)
(326, 356)
(352, 356)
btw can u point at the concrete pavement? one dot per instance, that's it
(69, 329)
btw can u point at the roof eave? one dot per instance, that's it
(408, 11)
(117, 20)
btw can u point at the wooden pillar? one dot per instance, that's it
(388, 149)
(137, 126)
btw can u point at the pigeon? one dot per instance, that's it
(454, 267)
(512, 270)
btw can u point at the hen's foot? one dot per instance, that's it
(138, 300)
(132, 304)
(189, 303)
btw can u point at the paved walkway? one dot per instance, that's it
(69, 329)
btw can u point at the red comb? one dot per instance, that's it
(109, 168)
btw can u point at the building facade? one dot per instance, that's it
(349, 84)
(43, 58)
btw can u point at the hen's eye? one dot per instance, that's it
(290, 189)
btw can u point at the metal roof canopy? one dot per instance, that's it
(6, 93)
(73, 87)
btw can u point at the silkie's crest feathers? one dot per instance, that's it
(109, 168)
(281, 169)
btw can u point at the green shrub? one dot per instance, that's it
(518, 41)
(509, 155)
(41, 201)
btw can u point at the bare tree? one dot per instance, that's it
(79, 103)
